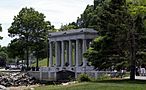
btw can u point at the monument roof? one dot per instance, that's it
(74, 34)
(73, 31)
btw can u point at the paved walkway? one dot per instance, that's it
(138, 77)
(3, 70)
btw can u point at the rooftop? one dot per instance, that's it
(73, 31)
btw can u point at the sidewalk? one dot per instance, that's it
(138, 77)
(3, 70)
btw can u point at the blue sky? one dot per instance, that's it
(56, 11)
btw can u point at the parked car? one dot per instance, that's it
(14, 67)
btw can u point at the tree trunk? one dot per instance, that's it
(37, 60)
(27, 57)
(133, 59)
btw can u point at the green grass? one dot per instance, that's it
(41, 63)
(101, 85)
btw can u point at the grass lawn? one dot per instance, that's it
(41, 63)
(100, 85)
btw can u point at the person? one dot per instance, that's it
(121, 73)
(142, 70)
(115, 73)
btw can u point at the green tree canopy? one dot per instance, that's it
(3, 56)
(69, 26)
(112, 23)
(16, 49)
(30, 27)
(121, 35)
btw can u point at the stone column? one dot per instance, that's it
(70, 53)
(59, 53)
(74, 53)
(62, 54)
(56, 53)
(80, 53)
(67, 52)
(84, 48)
(51, 55)
(77, 53)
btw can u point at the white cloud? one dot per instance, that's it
(63, 11)
(56, 11)
(6, 17)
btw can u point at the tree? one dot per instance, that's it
(69, 26)
(0, 31)
(30, 26)
(3, 56)
(120, 35)
(16, 49)
(110, 48)
(138, 12)
(86, 17)
(89, 17)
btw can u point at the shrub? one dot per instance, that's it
(83, 78)
(103, 77)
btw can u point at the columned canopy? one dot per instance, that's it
(67, 47)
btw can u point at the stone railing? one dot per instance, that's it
(49, 74)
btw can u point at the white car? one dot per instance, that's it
(13, 67)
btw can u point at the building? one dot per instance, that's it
(66, 59)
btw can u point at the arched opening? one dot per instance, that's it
(65, 75)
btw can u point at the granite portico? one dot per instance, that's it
(66, 59)
(68, 47)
